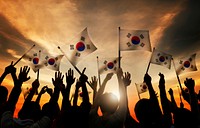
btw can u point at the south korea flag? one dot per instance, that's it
(161, 58)
(108, 65)
(186, 64)
(134, 40)
(34, 61)
(80, 47)
(53, 62)
(141, 87)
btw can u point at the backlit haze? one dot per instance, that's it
(173, 26)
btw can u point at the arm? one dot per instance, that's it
(130, 122)
(153, 97)
(35, 86)
(165, 102)
(83, 79)
(57, 82)
(15, 93)
(173, 102)
(66, 91)
(9, 69)
(122, 109)
(78, 85)
(43, 90)
(100, 92)
(93, 84)
(190, 84)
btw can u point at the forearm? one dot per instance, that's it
(75, 97)
(166, 107)
(85, 93)
(13, 98)
(55, 95)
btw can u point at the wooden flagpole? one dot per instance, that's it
(98, 71)
(119, 53)
(23, 55)
(150, 61)
(72, 64)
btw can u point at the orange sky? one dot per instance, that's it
(173, 26)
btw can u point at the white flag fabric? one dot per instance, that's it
(141, 87)
(161, 58)
(186, 64)
(108, 65)
(34, 61)
(80, 47)
(53, 62)
(134, 40)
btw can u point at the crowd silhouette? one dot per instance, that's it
(115, 113)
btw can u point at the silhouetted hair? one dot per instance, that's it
(108, 102)
(183, 118)
(30, 110)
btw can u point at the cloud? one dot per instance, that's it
(182, 37)
(12, 42)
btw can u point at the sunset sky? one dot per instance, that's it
(173, 27)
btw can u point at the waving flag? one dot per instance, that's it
(161, 58)
(108, 65)
(186, 64)
(34, 61)
(134, 40)
(141, 88)
(80, 47)
(53, 62)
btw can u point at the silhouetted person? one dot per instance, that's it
(113, 111)
(151, 117)
(130, 122)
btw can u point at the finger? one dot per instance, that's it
(62, 77)
(28, 70)
(83, 71)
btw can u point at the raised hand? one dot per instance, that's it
(161, 81)
(93, 82)
(109, 76)
(170, 92)
(23, 75)
(70, 77)
(49, 91)
(189, 83)
(127, 78)
(147, 78)
(10, 69)
(58, 81)
(44, 89)
(35, 84)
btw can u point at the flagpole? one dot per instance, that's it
(98, 71)
(177, 75)
(38, 73)
(119, 50)
(150, 61)
(23, 55)
(137, 92)
(72, 64)
(181, 102)
(67, 58)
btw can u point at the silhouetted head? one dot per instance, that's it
(108, 103)
(183, 118)
(146, 113)
(50, 109)
(3, 94)
(30, 110)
